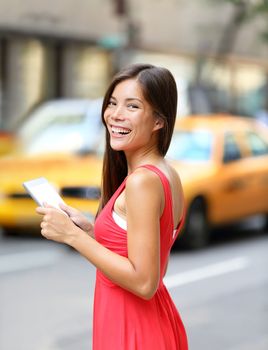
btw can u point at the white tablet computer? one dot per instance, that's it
(43, 192)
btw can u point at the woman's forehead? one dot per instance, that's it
(129, 88)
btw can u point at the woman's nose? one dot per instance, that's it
(117, 113)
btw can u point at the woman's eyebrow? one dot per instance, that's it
(128, 99)
(135, 99)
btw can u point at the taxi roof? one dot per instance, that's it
(215, 122)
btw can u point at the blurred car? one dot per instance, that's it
(60, 141)
(223, 164)
(7, 142)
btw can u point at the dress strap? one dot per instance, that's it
(168, 196)
(166, 185)
(162, 176)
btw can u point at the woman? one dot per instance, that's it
(140, 215)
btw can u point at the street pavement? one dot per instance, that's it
(46, 294)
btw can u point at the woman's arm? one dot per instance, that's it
(139, 272)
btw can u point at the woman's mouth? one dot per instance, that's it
(118, 130)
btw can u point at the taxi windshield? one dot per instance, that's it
(61, 129)
(191, 145)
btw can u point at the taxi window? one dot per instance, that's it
(191, 145)
(46, 118)
(62, 128)
(231, 149)
(258, 146)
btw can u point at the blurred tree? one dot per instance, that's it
(226, 43)
(244, 11)
(120, 7)
(230, 32)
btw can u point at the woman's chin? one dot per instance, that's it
(116, 147)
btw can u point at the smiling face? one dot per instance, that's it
(130, 119)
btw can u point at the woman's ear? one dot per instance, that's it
(159, 124)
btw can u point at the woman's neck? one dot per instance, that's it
(137, 159)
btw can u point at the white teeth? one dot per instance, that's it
(120, 131)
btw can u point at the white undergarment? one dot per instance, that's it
(123, 223)
(119, 220)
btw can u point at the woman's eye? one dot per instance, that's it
(111, 103)
(132, 106)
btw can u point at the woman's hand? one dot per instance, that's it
(57, 226)
(78, 218)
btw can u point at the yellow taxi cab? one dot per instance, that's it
(222, 162)
(75, 177)
(223, 165)
(61, 142)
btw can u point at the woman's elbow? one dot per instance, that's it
(147, 290)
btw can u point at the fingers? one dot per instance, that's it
(44, 210)
(43, 226)
(70, 211)
(41, 210)
(47, 226)
(65, 208)
(46, 205)
(47, 212)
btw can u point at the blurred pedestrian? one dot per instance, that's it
(140, 216)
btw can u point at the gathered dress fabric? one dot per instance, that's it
(122, 320)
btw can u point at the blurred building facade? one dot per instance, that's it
(71, 48)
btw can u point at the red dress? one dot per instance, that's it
(122, 320)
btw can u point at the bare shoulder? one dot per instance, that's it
(143, 179)
(144, 194)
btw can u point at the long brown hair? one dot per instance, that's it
(160, 91)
